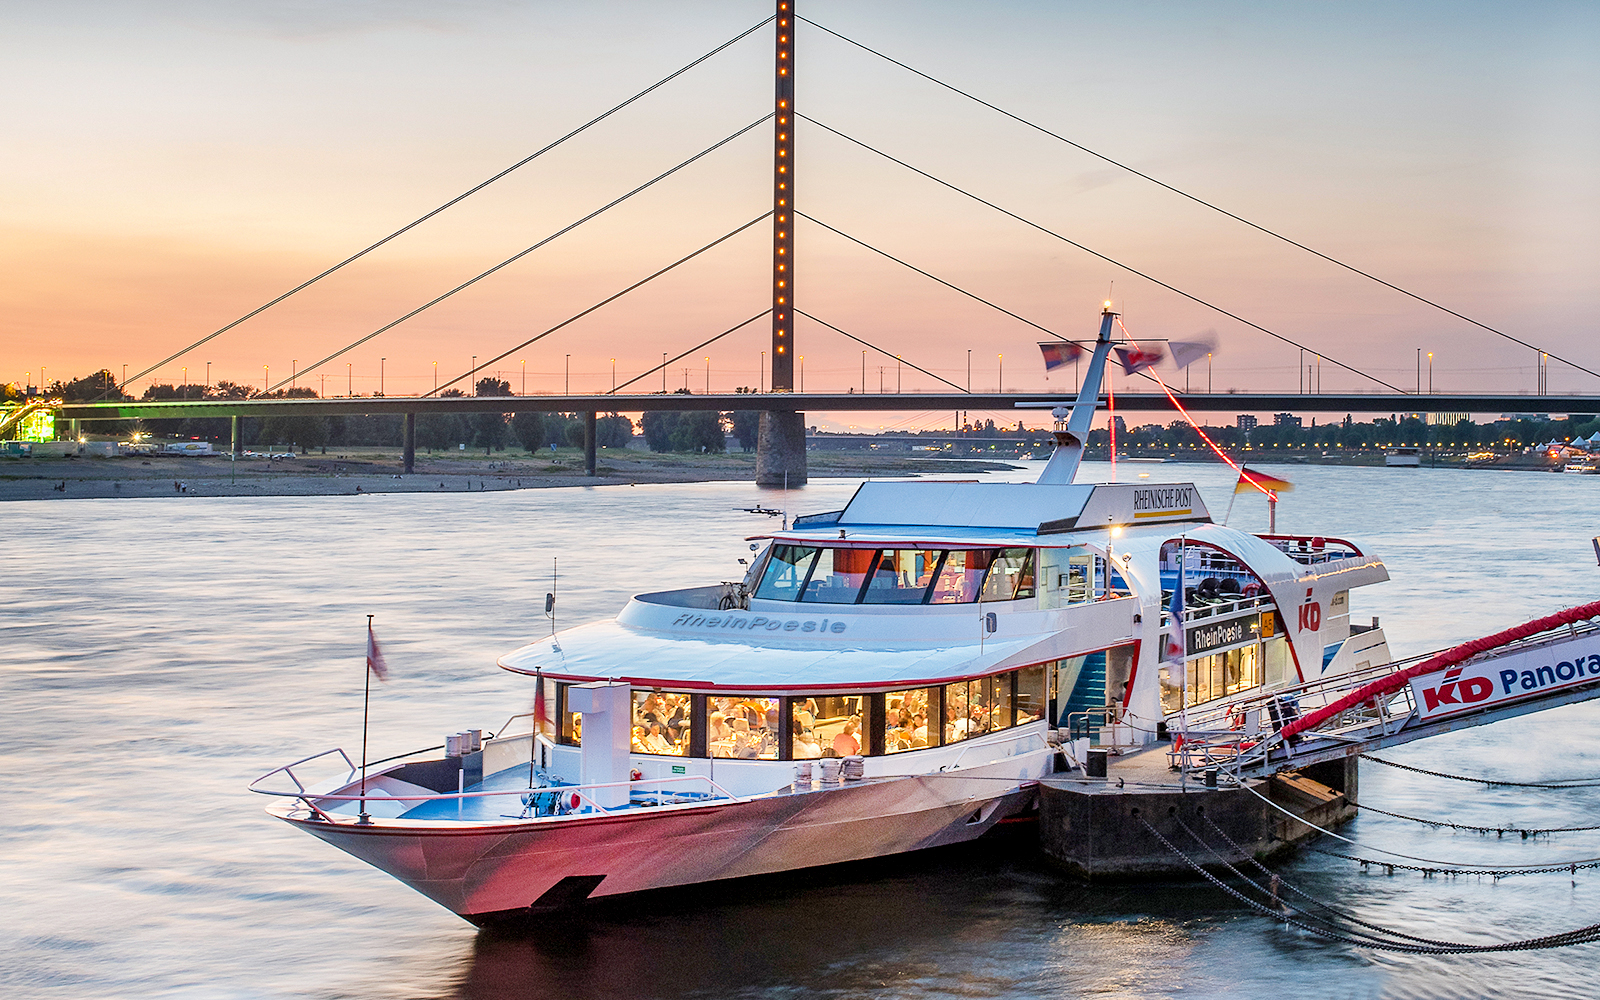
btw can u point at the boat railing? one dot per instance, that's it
(578, 795)
(1030, 736)
(287, 770)
(1229, 733)
(1311, 550)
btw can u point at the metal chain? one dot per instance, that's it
(1582, 935)
(1585, 782)
(1569, 868)
(1302, 893)
(1500, 830)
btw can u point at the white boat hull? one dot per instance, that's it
(487, 872)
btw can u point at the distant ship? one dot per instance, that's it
(1403, 458)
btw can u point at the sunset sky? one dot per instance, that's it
(169, 166)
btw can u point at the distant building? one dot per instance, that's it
(1247, 422)
(1446, 419)
(1286, 420)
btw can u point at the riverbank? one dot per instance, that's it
(351, 471)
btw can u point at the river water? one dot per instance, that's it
(156, 655)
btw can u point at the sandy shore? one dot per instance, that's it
(351, 471)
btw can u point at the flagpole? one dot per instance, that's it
(1183, 640)
(366, 702)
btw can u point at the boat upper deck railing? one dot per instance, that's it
(1310, 550)
(566, 800)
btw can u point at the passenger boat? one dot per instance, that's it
(1403, 458)
(892, 676)
(1585, 465)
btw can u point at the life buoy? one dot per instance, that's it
(636, 775)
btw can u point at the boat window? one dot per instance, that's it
(661, 723)
(906, 715)
(743, 727)
(838, 576)
(997, 691)
(1030, 694)
(901, 576)
(961, 577)
(966, 710)
(1065, 577)
(1222, 674)
(830, 726)
(786, 572)
(571, 722)
(1010, 577)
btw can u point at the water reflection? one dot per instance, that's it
(159, 654)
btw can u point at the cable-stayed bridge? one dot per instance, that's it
(781, 454)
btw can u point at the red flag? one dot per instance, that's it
(540, 712)
(1060, 353)
(375, 663)
(1135, 360)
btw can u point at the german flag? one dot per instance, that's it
(1251, 480)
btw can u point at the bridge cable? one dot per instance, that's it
(933, 277)
(685, 354)
(880, 350)
(1573, 783)
(452, 202)
(519, 255)
(1194, 198)
(1109, 260)
(571, 319)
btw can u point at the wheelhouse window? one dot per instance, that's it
(662, 723)
(961, 577)
(744, 727)
(830, 726)
(901, 576)
(838, 576)
(786, 572)
(906, 720)
(1010, 576)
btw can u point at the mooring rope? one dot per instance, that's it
(1582, 935)
(1570, 783)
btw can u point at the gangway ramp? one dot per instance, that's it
(1542, 664)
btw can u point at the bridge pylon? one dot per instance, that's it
(781, 442)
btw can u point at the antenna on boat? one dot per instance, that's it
(1072, 426)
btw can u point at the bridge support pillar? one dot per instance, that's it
(781, 449)
(588, 443)
(411, 444)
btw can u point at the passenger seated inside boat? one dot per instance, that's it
(744, 728)
(661, 723)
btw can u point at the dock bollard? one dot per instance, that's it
(1095, 764)
(1211, 777)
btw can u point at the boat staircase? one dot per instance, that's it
(1085, 707)
(1542, 664)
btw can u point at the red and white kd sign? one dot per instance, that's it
(1310, 614)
